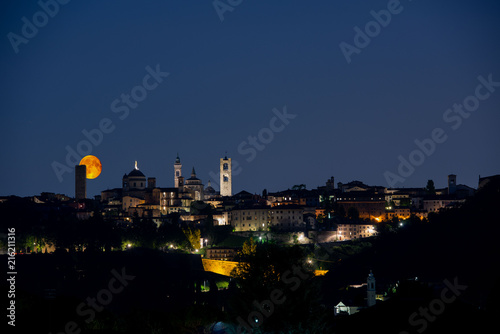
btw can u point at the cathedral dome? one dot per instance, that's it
(209, 189)
(136, 172)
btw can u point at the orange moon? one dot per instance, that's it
(94, 166)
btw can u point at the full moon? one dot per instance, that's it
(94, 166)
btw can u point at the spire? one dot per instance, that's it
(177, 160)
(193, 173)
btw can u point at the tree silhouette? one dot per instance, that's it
(353, 213)
(430, 189)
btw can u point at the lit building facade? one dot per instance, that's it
(248, 219)
(355, 231)
(287, 218)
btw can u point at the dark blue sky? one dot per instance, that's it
(353, 120)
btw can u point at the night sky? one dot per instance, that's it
(347, 118)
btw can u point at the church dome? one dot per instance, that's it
(193, 177)
(209, 189)
(136, 172)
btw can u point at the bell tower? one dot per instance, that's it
(452, 184)
(226, 188)
(371, 294)
(177, 171)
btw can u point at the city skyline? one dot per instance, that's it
(228, 166)
(213, 178)
(295, 94)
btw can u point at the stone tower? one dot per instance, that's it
(177, 171)
(452, 184)
(80, 182)
(226, 188)
(371, 294)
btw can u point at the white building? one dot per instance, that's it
(355, 231)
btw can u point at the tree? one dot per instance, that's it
(144, 233)
(405, 202)
(193, 237)
(430, 189)
(170, 233)
(339, 211)
(353, 213)
(200, 208)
